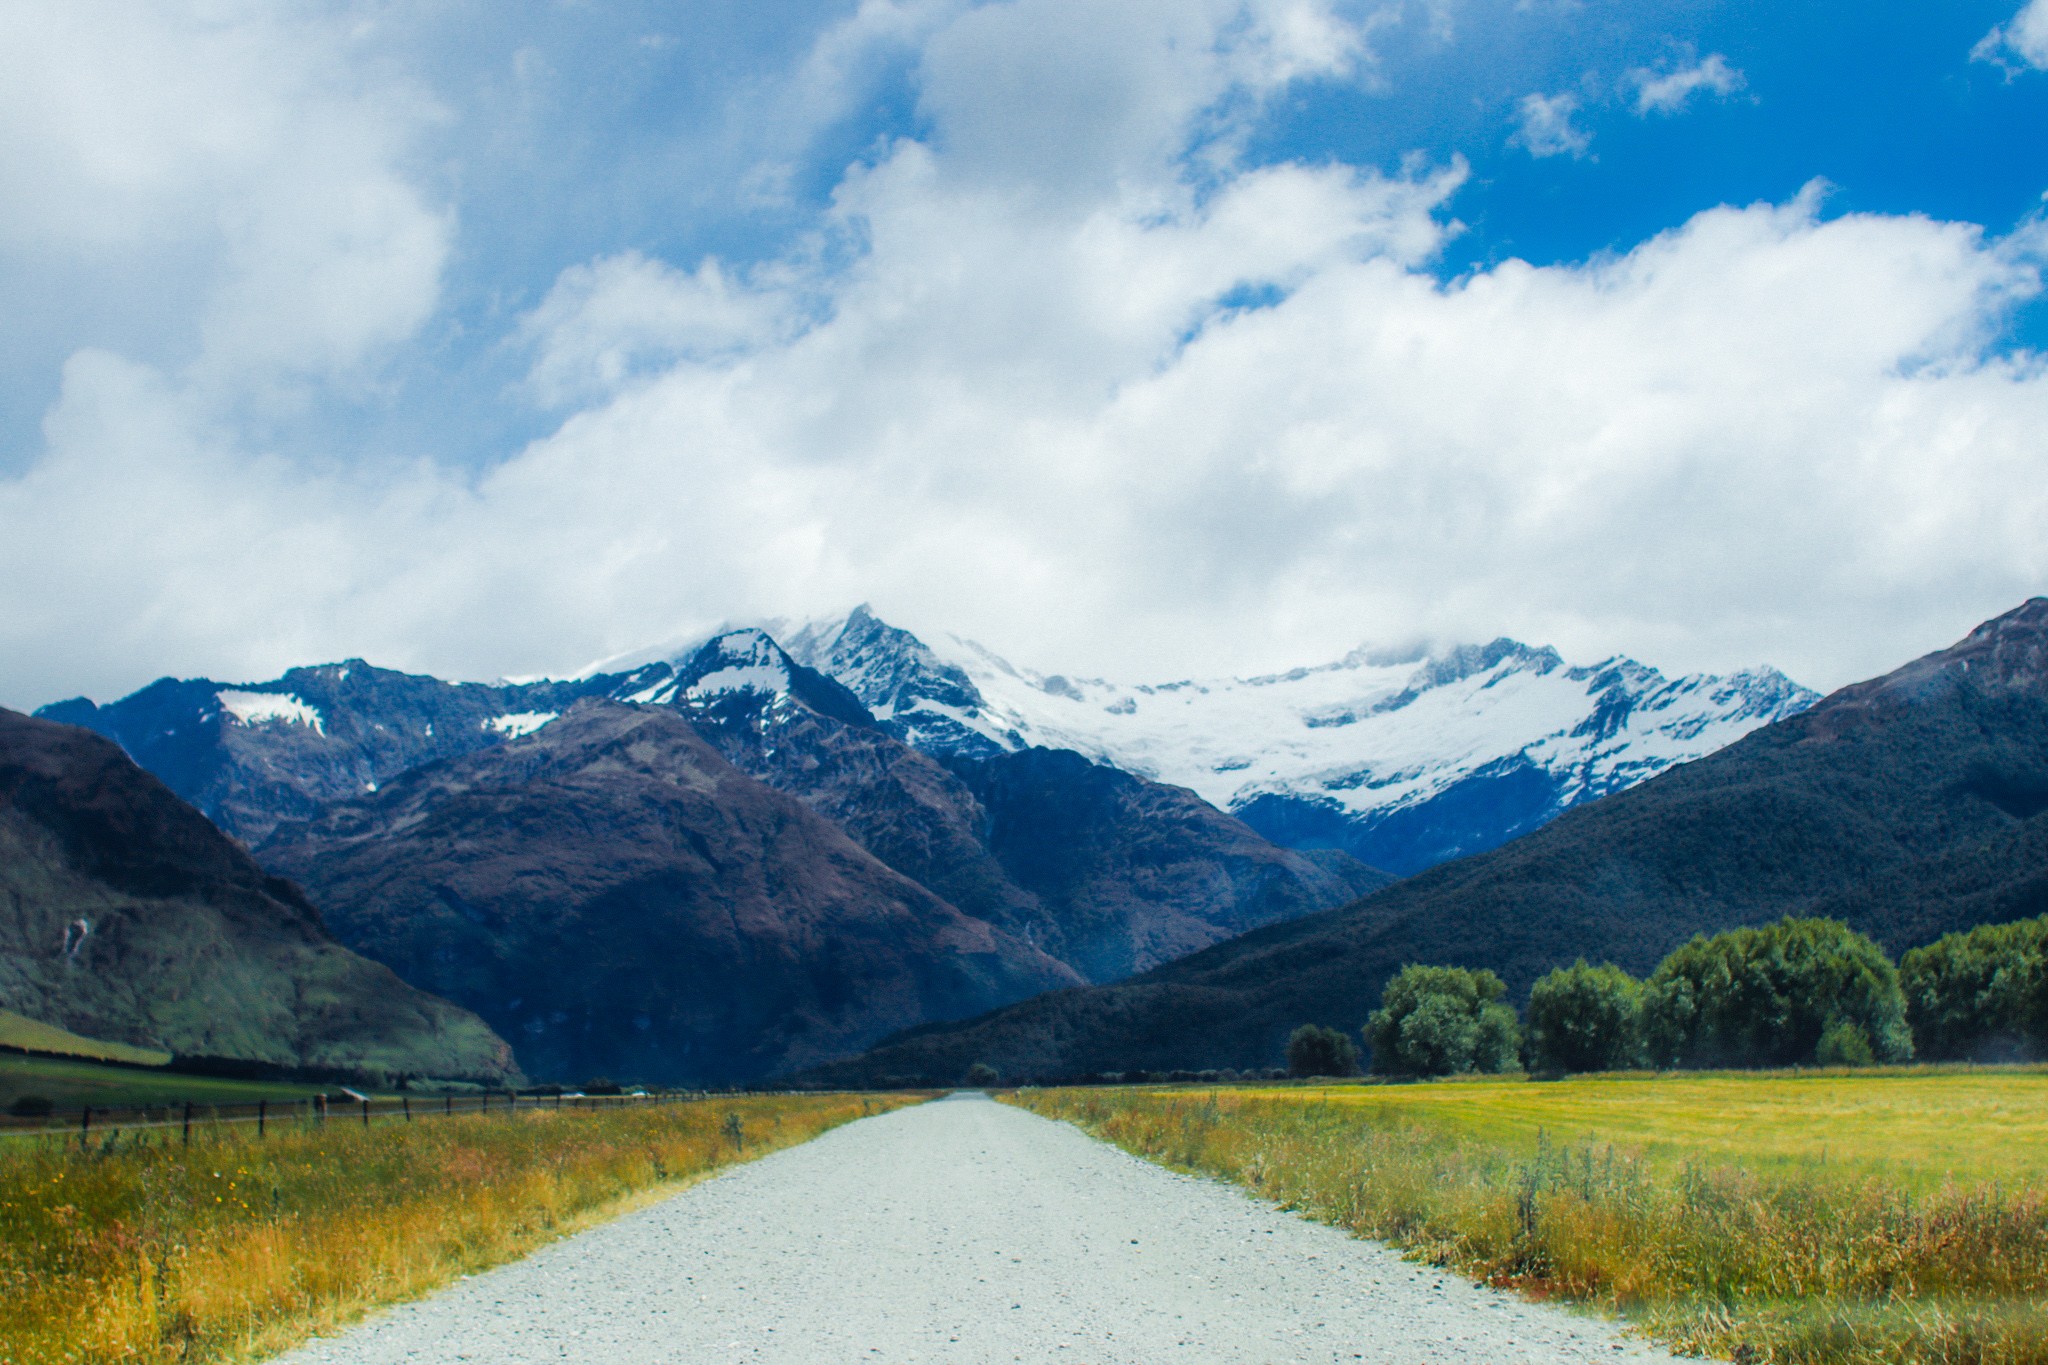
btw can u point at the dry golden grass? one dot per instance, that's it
(137, 1248)
(1785, 1258)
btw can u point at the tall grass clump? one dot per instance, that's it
(1809, 1266)
(137, 1247)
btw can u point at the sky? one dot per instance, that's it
(1134, 338)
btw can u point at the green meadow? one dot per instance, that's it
(1919, 1126)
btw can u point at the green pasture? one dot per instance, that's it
(1918, 1126)
(20, 1031)
(71, 1083)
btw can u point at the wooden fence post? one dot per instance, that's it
(405, 1103)
(186, 1135)
(366, 1111)
(262, 1116)
(84, 1124)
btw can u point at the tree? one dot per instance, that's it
(981, 1076)
(1438, 1021)
(1980, 995)
(1766, 996)
(1585, 1018)
(1313, 1050)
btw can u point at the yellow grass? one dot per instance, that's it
(1917, 1126)
(1687, 1203)
(138, 1248)
(17, 1030)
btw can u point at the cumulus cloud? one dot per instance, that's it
(1176, 413)
(1545, 128)
(1671, 91)
(2024, 39)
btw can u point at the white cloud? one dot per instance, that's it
(2025, 37)
(623, 317)
(1545, 128)
(1669, 92)
(995, 400)
(253, 148)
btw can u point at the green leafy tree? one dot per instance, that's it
(1766, 996)
(982, 1076)
(1980, 995)
(1313, 1050)
(1439, 1021)
(1585, 1018)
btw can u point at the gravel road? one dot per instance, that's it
(968, 1231)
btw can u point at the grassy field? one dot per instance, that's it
(135, 1247)
(1917, 1126)
(1829, 1219)
(70, 1083)
(17, 1030)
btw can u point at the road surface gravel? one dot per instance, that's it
(968, 1231)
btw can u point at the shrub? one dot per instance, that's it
(982, 1076)
(1585, 1018)
(1766, 997)
(1844, 1044)
(1313, 1050)
(1438, 1021)
(1980, 995)
(31, 1107)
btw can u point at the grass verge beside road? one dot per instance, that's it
(133, 1246)
(1636, 1194)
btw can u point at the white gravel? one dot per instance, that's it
(967, 1231)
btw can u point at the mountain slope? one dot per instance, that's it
(1107, 872)
(618, 899)
(132, 919)
(1909, 805)
(1404, 759)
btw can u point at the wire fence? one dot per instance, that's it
(93, 1121)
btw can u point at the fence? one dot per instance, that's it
(92, 1120)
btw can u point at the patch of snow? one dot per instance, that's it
(518, 723)
(263, 708)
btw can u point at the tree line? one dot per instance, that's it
(1801, 992)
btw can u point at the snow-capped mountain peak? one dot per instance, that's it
(1403, 757)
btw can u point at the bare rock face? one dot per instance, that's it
(126, 915)
(619, 900)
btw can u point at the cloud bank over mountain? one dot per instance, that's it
(1064, 356)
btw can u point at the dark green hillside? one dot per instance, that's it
(131, 919)
(1909, 806)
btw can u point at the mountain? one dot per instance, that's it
(1108, 872)
(1402, 758)
(252, 754)
(132, 919)
(618, 899)
(1910, 806)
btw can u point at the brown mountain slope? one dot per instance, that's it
(1910, 806)
(620, 900)
(125, 915)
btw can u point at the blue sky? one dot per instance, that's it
(1131, 337)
